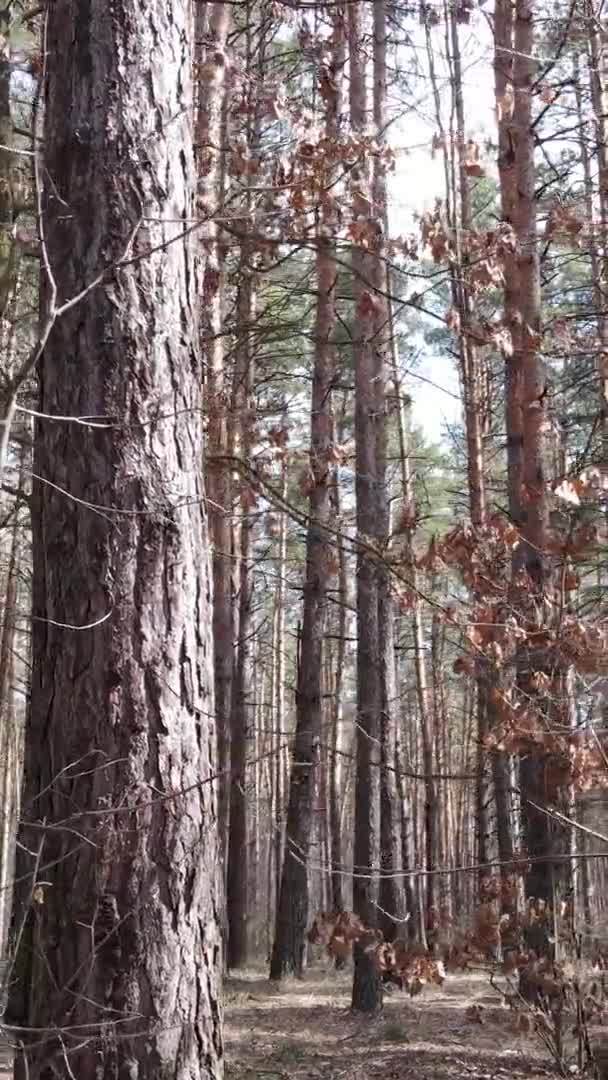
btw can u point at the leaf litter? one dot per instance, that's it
(304, 1030)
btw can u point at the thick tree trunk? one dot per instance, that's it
(118, 960)
(292, 916)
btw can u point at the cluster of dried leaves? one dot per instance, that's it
(409, 965)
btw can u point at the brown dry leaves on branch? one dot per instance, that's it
(411, 965)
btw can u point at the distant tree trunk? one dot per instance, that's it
(508, 173)
(367, 986)
(367, 792)
(242, 711)
(9, 740)
(292, 916)
(471, 386)
(596, 38)
(526, 410)
(279, 718)
(340, 756)
(408, 518)
(391, 894)
(211, 29)
(392, 904)
(505, 103)
(337, 771)
(7, 167)
(533, 406)
(593, 139)
(461, 291)
(11, 718)
(117, 916)
(366, 995)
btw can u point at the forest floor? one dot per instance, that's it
(305, 1031)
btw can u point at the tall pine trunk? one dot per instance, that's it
(242, 711)
(470, 367)
(292, 915)
(337, 766)
(117, 921)
(212, 24)
(505, 101)
(531, 401)
(391, 892)
(10, 738)
(367, 990)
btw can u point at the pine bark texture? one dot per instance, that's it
(120, 953)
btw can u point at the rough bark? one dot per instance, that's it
(119, 954)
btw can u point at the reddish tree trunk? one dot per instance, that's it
(119, 963)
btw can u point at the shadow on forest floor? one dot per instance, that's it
(305, 1030)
